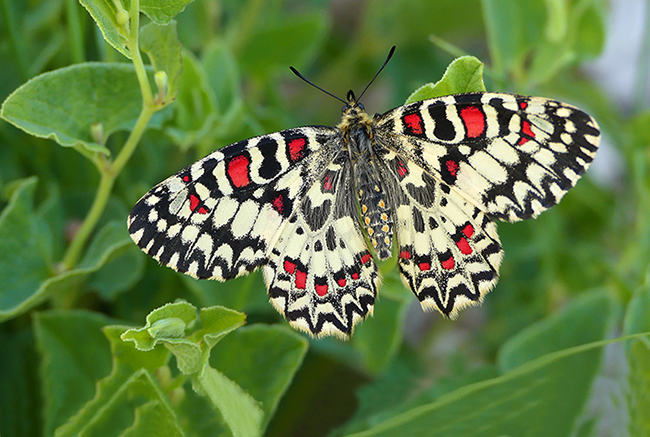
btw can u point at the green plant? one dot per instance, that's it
(570, 311)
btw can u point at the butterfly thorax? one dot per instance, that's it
(357, 132)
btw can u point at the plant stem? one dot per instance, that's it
(109, 171)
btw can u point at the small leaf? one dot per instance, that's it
(112, 18)
(194, 111)
(240, 411)
(162, 11)
(164, 50)
(65, 104)
(164, 323)
(217, 322)
(125, 353)
(222, 73)
(463, 75)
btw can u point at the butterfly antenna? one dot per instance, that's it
(314, 85)
(390, 55)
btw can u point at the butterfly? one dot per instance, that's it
(313, 206)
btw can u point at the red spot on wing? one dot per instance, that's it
(405, 254)
(526, 130)
(355, 276)
(194, 202)
(341, 282)
(474, 121)
(463, 245)
(365, 258)
(278, 204)
(414, 122)
(297, 149)
(401, 169)
(327, 183)
(321, 290)
(186, 178)
(452, 167)
(289, 267)
(202, 210)
(425, 266)
(523, 105)
(301, 279)
(238, 170)
(468, 231)
(448, 264)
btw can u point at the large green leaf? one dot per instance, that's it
(25, 258)
(548, 375)
(66, 105)
(262, 360)
(75, 355)
(26, 278)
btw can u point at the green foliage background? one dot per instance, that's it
(560, 346)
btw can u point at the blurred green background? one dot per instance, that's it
(534, 359)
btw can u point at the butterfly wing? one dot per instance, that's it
(511, 156)
(320, 274)
(459, 161)
(221, 216)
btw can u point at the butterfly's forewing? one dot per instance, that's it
(220, 217)
(513, 157)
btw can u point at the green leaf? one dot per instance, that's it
(463, 75)
(218, 322)
(513, 28)
(118, 274)
(587, 319)
(548, 375)
(20, 384)
(75, 355)
(66, 104)
(168, 321)
(112, 17)
(125, 353)
(25, 258)
(161, 44)
(194, 111)
(540, 398)
(239, 410)
(222, 74)
(34, 286)
(129, 403)
(162, 11)
(639, 380)
(263, 360)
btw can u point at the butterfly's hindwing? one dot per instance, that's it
(320, 274)
(219, 217)
(449, 250)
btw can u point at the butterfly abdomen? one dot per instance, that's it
(376, 214)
